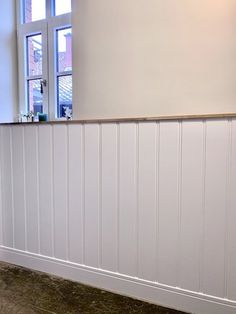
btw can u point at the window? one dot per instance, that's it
(64, 71)
(34, 10)
(45, 57)
(62, 7)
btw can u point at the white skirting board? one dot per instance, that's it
(168, 296)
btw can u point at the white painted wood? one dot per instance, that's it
(18, 170)
(60, 173)
(191, 302)
(46, 204)
(109, 185)
(7, 203)
(147, 200)
(231, 218)
(191, 205)
(31, 187)
(76, 193)
(168, 216)
(91, 202)
(215, 207)
(128, 236)
(151, 204)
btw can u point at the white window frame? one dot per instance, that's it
(60, 22)
(47, 28)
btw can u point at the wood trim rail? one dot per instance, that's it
(132, 119)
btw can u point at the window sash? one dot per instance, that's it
(24, 31)
(55, 23)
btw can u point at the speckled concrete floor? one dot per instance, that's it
(28, 292)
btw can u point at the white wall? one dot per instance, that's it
(155, 57)
(144, 209)
(8, 63)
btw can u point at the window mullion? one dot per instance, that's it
(50, 8)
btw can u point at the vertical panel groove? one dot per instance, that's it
(157, 158)
(180, 159)
(24, 187)
(228, 189)
(83, 191)
(53, 192)
(118, 194)
(12, 191)
(100, 198)
(202, 250)
(137, 193)
(231, 249)
(67, 194)
(1, 192)
(38, 188)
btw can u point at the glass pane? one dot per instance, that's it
(35, 98)
(34, 10)
(34, 55)
(64, 55)
(62, 6)
(64, 94)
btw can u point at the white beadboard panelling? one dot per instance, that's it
(109, 180)
(128, 237)
(215, 207)
(191, 205)
(168, 223)
(60, 191)
(231, 219)
(147, 199)
(91, 221)
(7, 200)
(76, 192)
(46, 204)
(18, 169)
(31, 187)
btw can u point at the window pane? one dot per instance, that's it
(35, 98)
(64, 94)
(34, 10)
(64, 59)
(34, 57)
(62, 6)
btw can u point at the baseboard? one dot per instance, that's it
(167, 296)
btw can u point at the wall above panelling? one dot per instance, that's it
(157, 57)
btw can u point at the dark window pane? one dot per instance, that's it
(34, 56)
(64, 94)
(64, 56)
(62, 6)
(34, 10)
(35, 98)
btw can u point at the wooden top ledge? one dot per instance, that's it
(130, 120)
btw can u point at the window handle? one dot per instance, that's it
(43, 83)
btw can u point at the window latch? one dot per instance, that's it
(43, 83)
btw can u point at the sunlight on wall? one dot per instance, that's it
(156, 57)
